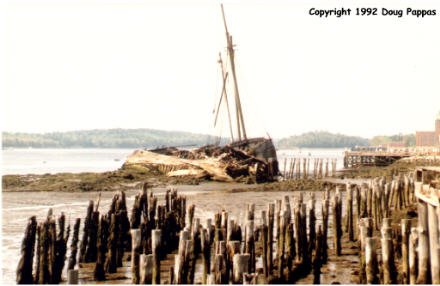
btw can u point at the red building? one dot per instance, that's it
(429, 138)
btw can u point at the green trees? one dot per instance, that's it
(409, 139)
(321, 139)
(106, 138)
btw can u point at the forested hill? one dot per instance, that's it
(105, 138)
(150, 138)
(321, 139)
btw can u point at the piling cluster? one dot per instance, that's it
(48, 242)
(392, 250)
(296, 168)
(283, 243)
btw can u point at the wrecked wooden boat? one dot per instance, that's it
(244, 159)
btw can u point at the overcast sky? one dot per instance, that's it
(75, 65)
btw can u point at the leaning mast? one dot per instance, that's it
(239, 113)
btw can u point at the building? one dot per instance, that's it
(429, 138)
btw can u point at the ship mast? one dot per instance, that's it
(238, 111)
(224, 76)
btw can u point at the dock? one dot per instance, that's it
(372, 158)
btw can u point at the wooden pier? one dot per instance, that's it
(372, 158)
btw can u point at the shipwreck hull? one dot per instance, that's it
(262, 148)
(251, 161)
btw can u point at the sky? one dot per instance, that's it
(74, 65)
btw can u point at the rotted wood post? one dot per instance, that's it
(72, 276)
(289, 251)
(317, 257)
(304, 168)
(406, 229)
(306, 259)
(146, 264)
(312, 222)
(206, 255)
(220, 270)
(234, 247)
(280, 249)
(156, 236)
(24, 269)
(209, 231)
(264, 242)
(349, 214)
(423, 247)
(270, 222)
(250, 244)
(362, 240)
(434, 249)
(388, 267)
(277, 219)
(371, 267)
(111, 263)
(135, 253)
(43, 274)
(99, 272)
(413, 256)
(74, 244)
(336, 225)
(324, 211)
(241, 265)
(85, 237)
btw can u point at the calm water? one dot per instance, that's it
(41, 161)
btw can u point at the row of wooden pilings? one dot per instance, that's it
(392, 251)
(228, 251)
(296, 168)
(105, 239)
(289, 242)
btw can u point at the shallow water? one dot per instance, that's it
(41, 161)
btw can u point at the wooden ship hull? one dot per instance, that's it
(244, 159)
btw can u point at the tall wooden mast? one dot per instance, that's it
(239, 113)
(223, 94)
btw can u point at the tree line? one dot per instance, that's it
(106, 138)
(150, 138)
(321, 139)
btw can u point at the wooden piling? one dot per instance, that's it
(72, 276)
(405, 229)
(241, 265)
(336, 225)
(156, 235)
(146, 264)
(388, 267)
(371, 267)
(413, 256)
(86, 229)
(264, 242)
(325, 215)
(99, 272)
(349, 214)
(111, 263)
(206, 252)
(135, 253)
(423, 247)
(270, 222)
(24, 269)
(434, 250)
(74, 244)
